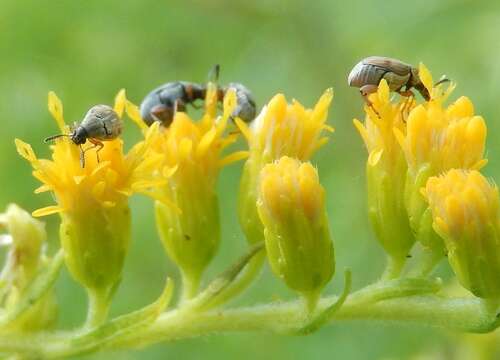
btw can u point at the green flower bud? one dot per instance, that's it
(191, 238)
(25, 258)
(298, 242)
(281, 129)
(95, 242)
(386, 176)
(466, 214)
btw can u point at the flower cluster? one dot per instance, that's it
(426, 197)
(424, 184)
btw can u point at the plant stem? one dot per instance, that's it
(241, 283)
(98, 307)
(376, 302)
(393, 268)
(190, 285)
(427, 263)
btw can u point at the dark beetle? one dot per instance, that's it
(367, 74)
(101, 123)
(162, 103)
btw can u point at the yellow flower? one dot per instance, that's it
(98, 184)
(191, 230)
(437, 139)
(281, 129)
(93, 200)
(298, 242)
(386, 172)
(465, 209)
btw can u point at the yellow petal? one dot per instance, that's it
(135, 115)
(48, 210)
(205, 142)
(245, 130)
(43, 188)
(120, 102)
(425, 77)
(25, 150)
(236, 156)
(56, 109)
(375, 156)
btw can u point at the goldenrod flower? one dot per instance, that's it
(437, 139)
(386, 173)
(190, 229)
(298, 242)
(465, 209)
(281, 129)
(26, 238)
(93, 200)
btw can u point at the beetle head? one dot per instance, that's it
(79, 135)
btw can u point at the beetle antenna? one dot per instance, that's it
(443, 79)
(213, 74)
(53, 137)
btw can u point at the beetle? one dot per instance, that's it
(245, 104)
(367, 74)
(101, 123)
(162, 103)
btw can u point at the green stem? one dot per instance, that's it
(190, 286)
(457, 314)
(98, 307)
(426, 264)
(393, 268)
(377, 302)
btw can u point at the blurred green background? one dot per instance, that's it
(87, 51)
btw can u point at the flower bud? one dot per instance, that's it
(189, 227)
(437, 139)
(92, 201)
(298, 242)
(465, 208)
(281, 129)
(95, 243)
(25, 258)
(386, 176)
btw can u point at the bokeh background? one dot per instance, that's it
(87, 51)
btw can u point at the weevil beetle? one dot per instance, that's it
(101, 123)
(162, 103)
(245, 104)
(367, 74)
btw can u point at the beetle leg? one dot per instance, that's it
(409, 96)
(365, 91)
(179, 106)
(97, 144)
(82, 157)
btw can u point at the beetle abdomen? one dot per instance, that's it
(102, 123)
(365, 74)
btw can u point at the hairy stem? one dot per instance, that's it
(387, 301)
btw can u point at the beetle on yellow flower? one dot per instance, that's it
(93, 200)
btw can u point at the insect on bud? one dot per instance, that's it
(466, 214)
(298, 242)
